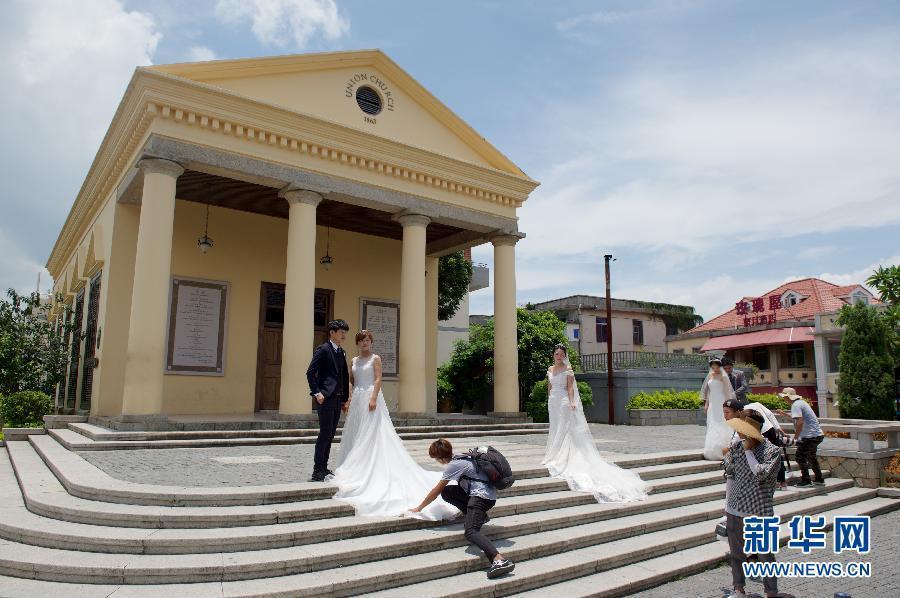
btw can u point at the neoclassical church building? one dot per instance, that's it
(236, 206)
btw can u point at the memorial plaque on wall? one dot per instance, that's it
(382, 318)
(197, 323)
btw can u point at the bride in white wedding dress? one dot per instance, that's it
(715, 391)
(375, 473)
(571, 453)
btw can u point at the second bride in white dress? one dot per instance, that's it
(571, 453)
(715, 391)
(375, 473)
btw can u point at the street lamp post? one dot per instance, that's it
(609, 351)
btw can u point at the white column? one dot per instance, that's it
(145, 357)
(299, 298)
(506, 353)
(413, 361)
(820, 356)
(432, 266)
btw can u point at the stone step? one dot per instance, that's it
(46, 496)
(410, 555)
(631, 579)
(95, 432)
(622, 566)
(84, 480)
(612, 569)
(23, 526)
(76, 441)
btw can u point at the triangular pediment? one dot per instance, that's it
(364, 90)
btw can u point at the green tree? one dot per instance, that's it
(866, 382)
(886, 280)
(467, 376)
(454, 276)
(32, 354)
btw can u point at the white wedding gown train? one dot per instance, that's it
(718, 433)
(375, 473)
(572, 455)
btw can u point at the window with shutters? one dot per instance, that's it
(75, 351)
(602, 330)
(637, 327)
(90, 344)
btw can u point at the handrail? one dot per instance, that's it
(625, 360)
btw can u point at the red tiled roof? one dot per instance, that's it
(818, 296)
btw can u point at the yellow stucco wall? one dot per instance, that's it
(687, 344)
(250, 249)
(323, 94)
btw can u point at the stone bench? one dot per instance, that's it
(863, 432)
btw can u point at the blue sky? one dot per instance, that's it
(716, 148)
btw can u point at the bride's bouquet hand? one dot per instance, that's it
(572, 406)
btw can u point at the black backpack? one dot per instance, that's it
(493, 464)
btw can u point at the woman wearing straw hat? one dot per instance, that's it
(751, 465)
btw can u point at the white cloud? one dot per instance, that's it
(574, 25)
(200, 54)
(681, 165)
(285, 23)
(66, 65)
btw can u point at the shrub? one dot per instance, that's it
(536, 404)
(25, 409)
(468, 375)
(666, 399)
(770, 400)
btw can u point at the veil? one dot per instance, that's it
(572, 455)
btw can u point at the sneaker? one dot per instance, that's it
(818, 483)
(317, 476)
(804, 484)
(499, 568)
(737, 595)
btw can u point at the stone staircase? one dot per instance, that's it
(69, 529)
(90, 437)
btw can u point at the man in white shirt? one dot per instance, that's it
(809, 436)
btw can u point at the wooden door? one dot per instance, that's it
(271, 329)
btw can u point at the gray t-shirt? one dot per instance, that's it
(457, 468)
(811, 428)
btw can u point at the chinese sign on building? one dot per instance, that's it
(753, 310)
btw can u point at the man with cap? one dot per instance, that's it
(751, 465)
(329, 385)
(809, 436)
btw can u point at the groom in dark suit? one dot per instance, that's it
(329, 385)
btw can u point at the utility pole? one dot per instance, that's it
(609, 351)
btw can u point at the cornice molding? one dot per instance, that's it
(155, 95)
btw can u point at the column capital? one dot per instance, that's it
(160, 166)
(306, 196)
(408, 219)
(505, 239)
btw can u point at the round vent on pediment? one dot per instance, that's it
(368, 100)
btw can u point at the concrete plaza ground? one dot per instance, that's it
(275, 464)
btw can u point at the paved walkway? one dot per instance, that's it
(885, 580)
(278, 464)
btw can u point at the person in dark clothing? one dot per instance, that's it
(329, 385)
(473, 495)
